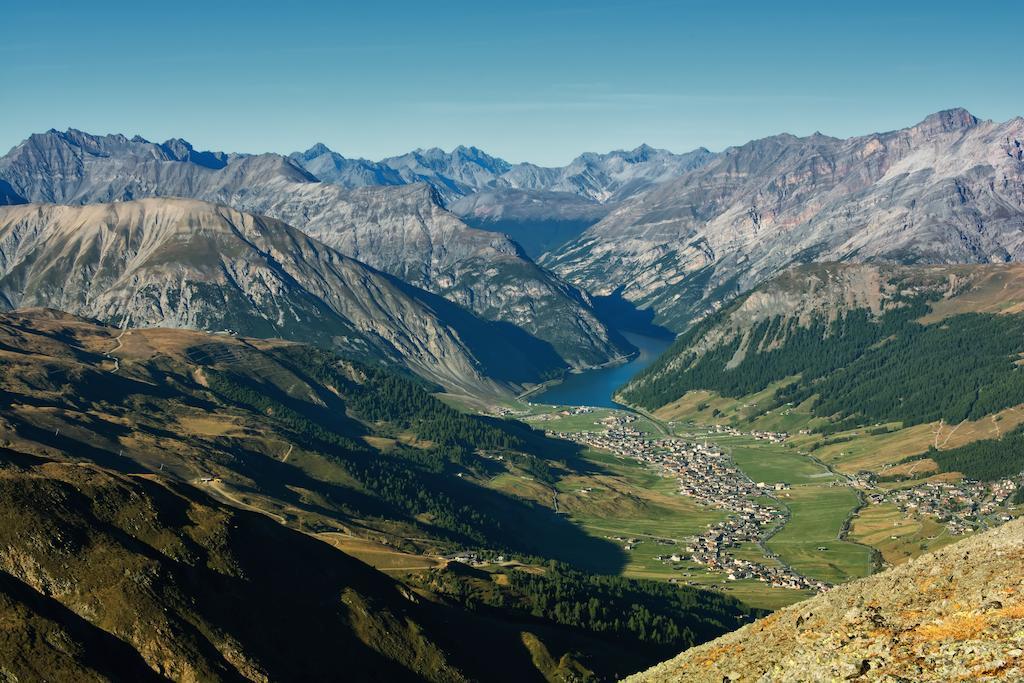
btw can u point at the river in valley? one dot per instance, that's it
(595, 387)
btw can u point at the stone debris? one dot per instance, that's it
(953, 615)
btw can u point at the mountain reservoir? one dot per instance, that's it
(596, 387)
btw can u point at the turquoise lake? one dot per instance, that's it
(595, 387)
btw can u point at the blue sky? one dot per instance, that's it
(528, 81)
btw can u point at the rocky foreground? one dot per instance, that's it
(953, 615)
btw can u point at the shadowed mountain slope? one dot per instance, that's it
(184, 263)
(404, 231)
(947, 190)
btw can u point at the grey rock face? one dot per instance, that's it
(400, 230)
(405, 232)
(185, 263)
(331, 167)
(77, 168)
(608, 177)
(948, 190)
(538, 220)
(8, 195)
(600, 178)
(460, 172)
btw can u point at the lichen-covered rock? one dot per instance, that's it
(955, 614)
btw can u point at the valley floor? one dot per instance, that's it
(798, 517)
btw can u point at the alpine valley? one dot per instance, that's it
(274, 417)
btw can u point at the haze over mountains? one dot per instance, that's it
(185, 263)
(947, 190)
(465, 170)
(402, 230)
(675, 234)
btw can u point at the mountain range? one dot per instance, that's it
(675, 235)
(402, 230)
(185, 263)
(600, 178)
(947, 190)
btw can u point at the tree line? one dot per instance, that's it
(858, 369)
(654, 615)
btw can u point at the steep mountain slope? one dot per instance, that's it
(956, 614)
(114, 447)
(174, 583)
(8, 195)
(322, 443)
(114, 576)
(403, 231)
(950, 189)
(867, 344)
(538, 220)
(183, 263)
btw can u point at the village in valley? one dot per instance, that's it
(756, 510)
(961, 507)
(712, 479)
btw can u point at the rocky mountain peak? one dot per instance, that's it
(644, 152)
(946, 190)
(946, 121)
(178, 149)
(317, 150)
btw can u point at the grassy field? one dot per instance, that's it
(630, 501)
(706, 408)
(897, 536)
(863, 451)
(587, 422)
(770, 463)
(381, 557)
(522, 485)
(754, 593)
(818, 513)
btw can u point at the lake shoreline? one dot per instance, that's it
(596, 387)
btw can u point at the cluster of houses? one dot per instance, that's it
(961, 506)
(760, 435)
(559, 414)
(616, 420)
(711, 549)
(710, 477)
(473, 558)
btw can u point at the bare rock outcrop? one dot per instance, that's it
(954, 615)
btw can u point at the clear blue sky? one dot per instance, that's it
(538, 81)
